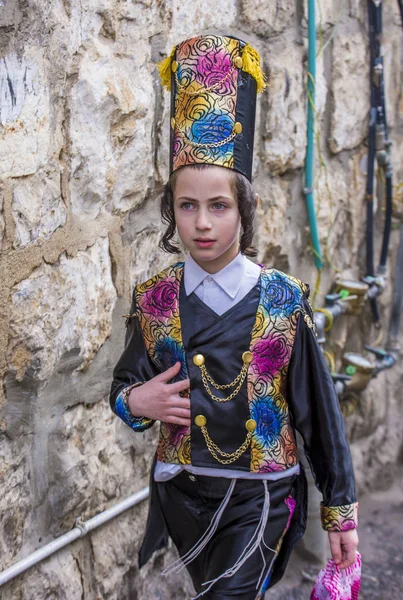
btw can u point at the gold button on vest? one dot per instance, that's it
(247, 357)
(198, 360)
(251, 425)
(200, 421)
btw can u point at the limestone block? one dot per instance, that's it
(393, 77)
(16, 500)
(271, 223)
(268, 18)
(134, 28)
(397, 161)
(147, 258)
(37, 207)
(89, 16)
(24, 113)
(321, 90)
(102, 461)
(332, 212)
(391, 18)
(59, 577)
(350, 91)
(10, 15)
(194, 18)
(2, 225)
(64, 306)
(358, 10)
(285, 122)
(115, 549)
(111, 130)
(357, 171)
(164, 129)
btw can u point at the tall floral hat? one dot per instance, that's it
(213, 82)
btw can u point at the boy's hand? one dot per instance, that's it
(343, 546)
(159, 400)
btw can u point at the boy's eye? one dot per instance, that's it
(186, 205)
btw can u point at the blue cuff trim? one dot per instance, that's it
(136, 423)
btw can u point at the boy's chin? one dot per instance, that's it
(204, 254)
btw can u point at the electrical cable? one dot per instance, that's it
(379, 148)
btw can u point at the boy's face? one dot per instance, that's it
(207, 215)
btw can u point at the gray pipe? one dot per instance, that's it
(80, 530)
(337, 309)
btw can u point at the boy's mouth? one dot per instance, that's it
(204, 242)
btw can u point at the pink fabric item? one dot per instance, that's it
(334, 583)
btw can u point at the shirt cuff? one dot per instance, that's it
(339, 518)
(122, 410)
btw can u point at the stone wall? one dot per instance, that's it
(83, 157)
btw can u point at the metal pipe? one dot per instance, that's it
(336, 309)
(80, 530)
(310, 150)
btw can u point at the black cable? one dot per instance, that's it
(370, 194)
(378, 146)
(388, 222)
(371, 147)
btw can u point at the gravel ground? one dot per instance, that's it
(381, 547)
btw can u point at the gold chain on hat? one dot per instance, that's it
(203, 89)
(199, 361)
(229, 457)
(235, 131)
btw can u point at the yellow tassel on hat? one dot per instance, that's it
(251, 65)
(164, 69)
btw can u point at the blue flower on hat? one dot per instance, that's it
(213, 127)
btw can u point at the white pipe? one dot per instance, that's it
(80, 530)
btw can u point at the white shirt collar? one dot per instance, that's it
(229, 278)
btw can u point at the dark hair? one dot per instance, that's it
(246, 199)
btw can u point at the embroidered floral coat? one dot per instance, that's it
(288, 386)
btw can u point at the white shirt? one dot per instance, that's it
(220, 291)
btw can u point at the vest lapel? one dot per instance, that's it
(158, 311)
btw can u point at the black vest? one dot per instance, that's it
(222, 339)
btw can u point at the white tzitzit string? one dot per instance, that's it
(249, 549)
(187, 558)
(264, 562)
(259, 596)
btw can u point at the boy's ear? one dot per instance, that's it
(258, 201)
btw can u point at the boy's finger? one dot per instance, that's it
(335, 548)
(180, 412)
(179, 402)
(179, 386)
(349, 557)
(169, 373)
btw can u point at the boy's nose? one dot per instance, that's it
(203, 222)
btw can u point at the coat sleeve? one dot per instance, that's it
(134, 367)
(316, 414)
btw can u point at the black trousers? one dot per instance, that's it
(188, 504)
